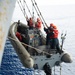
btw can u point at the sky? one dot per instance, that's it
(52, 7)
(54, 2)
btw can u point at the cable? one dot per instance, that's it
(27, 7)
(54, 70)
(31, 47)
(37, 11)
(21, 8)
(40, 13)
(60, 69)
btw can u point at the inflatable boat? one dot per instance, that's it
(33, 51)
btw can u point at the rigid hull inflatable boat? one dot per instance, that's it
(33, 51)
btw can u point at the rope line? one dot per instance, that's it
(31, 47)
(60, 69)
(54, 69)
(37, 11)
(21, 8)
(27, 7)
(40, 13)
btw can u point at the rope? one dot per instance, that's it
(40, 13)
(27, 7)
(36, 8)
(60, 69)
(21, 8)
(24, 9)
(54, 70)
(37, 11)
(33, 10)
(31, 46)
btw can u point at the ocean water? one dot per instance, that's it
(11, 64)
(63, 16)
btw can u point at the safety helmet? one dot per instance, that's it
(51, 24)
(54, 27)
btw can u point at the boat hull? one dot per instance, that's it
(35, 55)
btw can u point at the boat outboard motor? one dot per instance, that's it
(66, 58)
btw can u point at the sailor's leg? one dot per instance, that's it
(57, 47)
(53, 44)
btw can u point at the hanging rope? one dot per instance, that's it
(54, 70)
(21, 7)
(27, 7)
(37, 12)
(31, 47)
(45, 24)
(24, 11)
(36, 8)
(33, 10)
(60, 69)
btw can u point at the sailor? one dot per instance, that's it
(19, 27)
(38, 24)
(49, 33)
(19, 36)
(55, 41)
(30, 22)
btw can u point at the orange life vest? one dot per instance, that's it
(55, 35)
(19, 36)
(38, 24)
(30, 23)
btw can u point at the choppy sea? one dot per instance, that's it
(64, 18)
